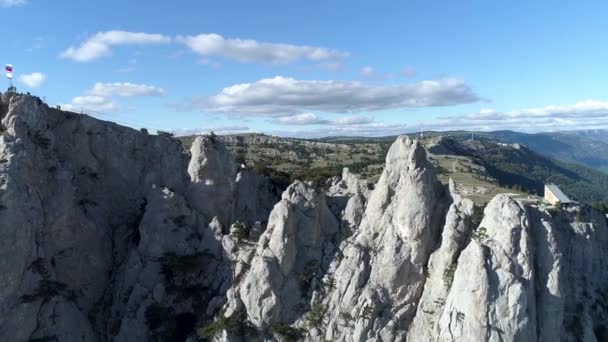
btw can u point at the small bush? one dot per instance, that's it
(307, 274)
(173, 265)
(448, 275)
(212, 137)
(314, 317)
(241, 158)
(165, 325)
(367, 312)
(602, 207)
(164, 134)
(233, 324)
(441, 170)
(240, 233)
(480, 234)
(477, 215)
(329, 283)
(346, 316)
(285, 331)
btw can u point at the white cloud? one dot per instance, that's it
(353, 120)
(588, 114)
(91, 104)
(99, 98)
(101, 43)
(32, 80)
(125, 89)
(313, 119)
(11, 3)
(215, 129)
(252, 51)
(587, 109)
(580, 115)
(372, 129)
(300, 119)
(281, 96)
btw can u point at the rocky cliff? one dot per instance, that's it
(111, 234)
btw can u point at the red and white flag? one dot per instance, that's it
(9, 68)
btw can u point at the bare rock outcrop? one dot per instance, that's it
(492, 296)
(288, 260)
(92, 217)
(459, 225)
(380, 277)
(110, 234)
(220, 188)
(415, 262)
(361, 284)
(72, 190)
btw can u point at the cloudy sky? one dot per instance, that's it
(315, 68)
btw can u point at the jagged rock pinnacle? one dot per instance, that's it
(111, 234)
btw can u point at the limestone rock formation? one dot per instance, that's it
(416, 262)
(289, 256)
(220, 188)
(111, 234)
(97, 221)
(456, 234)
(381, 275)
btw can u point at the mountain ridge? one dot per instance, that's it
(512, 165)
(111, 234)
(585, 147)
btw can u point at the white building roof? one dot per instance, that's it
(557, 192)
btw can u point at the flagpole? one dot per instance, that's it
(9, 74)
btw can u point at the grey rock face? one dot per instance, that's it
(416, 263)
(498, 268)
(288, 258)
(213, 175)
(91, 212)
(381, 275)
(109, 234)
(442, 265)
(177, 270)
(219, 189)
(72, 193)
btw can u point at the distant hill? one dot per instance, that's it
(515, 165)
(505, 166)
(587, 147)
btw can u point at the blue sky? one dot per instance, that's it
(315, 68)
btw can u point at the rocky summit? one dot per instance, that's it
(112, 234)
